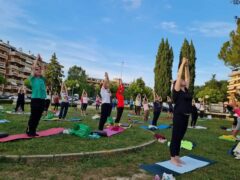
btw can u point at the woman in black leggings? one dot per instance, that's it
(157, 108)
(106, 103)
(182, 110)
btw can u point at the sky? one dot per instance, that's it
(99, 35)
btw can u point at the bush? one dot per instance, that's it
(6, 101)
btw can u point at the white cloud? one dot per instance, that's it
(212, 29)
(132, 4)
(170, 26)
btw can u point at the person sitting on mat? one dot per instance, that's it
(182, 109)
(98, 102)
(157, 107)
(145, 108)
(138, 104)
(120, 102)
(37, 82)
(21, 99)
(194, 114)
(170, 106)
(84, 100)
(106, 102)
(64, 102)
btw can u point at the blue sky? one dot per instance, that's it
(99, 34)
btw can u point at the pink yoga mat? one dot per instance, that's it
(48, 132)
(113, 130)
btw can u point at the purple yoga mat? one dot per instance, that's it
(113, 130)
(48, 132)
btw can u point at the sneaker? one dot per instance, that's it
(32, 134)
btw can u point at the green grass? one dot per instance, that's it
(123, 165)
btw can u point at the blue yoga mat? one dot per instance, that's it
(192, 163)
(4, 121)
(162, 126)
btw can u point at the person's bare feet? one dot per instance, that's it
(179, 160)
(175, 162)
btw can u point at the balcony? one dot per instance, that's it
(4, 48)
(2, 64)
(13, 67)
(4, 56)
(15, 60)
(2, 71)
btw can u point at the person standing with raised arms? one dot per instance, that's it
(37, 82)
(182, 109)
(120, 102)
(106, 102)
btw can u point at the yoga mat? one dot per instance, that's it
(74, 119)
(4, 121)
(126, 125)
(44, 133)
(137, 121)
(52, 119)
(113, 130)
(197, 127)
(192, 163)
(18, 113)
(160, 127)
(228, 138)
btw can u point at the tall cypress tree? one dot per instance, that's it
(188, 51)
(163, 69)
(192, 66)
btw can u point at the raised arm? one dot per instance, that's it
(177, 86)
(187, 75)
(19, 89)
(106, 81)
(66, 90)
(34, 66)
(154, 96)
(24, 89)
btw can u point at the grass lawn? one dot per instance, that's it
(122, 165)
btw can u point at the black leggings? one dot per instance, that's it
(105, 113)
(194, 119)
(47, 103)
(180, 124)
(56, 106)
(37, 108)
(235, 121)
(138, 110)
(119, 114)
(20, 104)
(156, 115)
(97, 106)
(63, 110)
(201, 114)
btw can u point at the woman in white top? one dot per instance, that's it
(64, 102)
(84, 101)
(145, 108)
(106, 102)
(138, 104)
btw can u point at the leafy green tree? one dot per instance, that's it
(54, 74)
(216, 90)
(230, 50)
(2, 80)
(77, 75)
(27, 84)
(188, 51)
(138, 87)
(163, 69)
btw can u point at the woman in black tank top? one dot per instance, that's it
(182, 109)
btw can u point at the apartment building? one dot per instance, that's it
(233, 84)
(15, 66)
